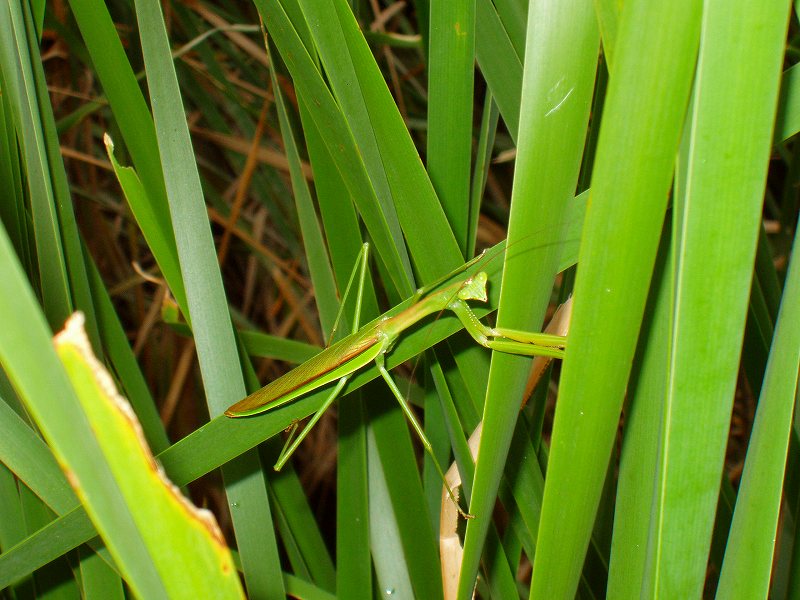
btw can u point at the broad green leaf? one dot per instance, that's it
(28, 358)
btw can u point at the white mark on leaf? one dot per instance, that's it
(557, 92)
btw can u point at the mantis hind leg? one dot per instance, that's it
(379, 361)
(291, 444)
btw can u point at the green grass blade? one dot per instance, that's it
(47, 544)
(29, 458)
(383, 139)
(481, 170)
(729, 145)
(12, 204)
(11, 527)
(608, 20)
(751, 545)
(500, 64)
(57, 577)
(98, 580)
(298, 516)
(128, 105)
(514, 16)
(67, 228)
(408, 511)
(354, 563)
(389, 558)
(263, 345)
(642, 119)
(339, 216)
(155, 229)
(19, 77)
(121, 358)
(451, 60)
(788, 121)
(208, 311)
(639, 460)
(557, 90)
(318, 263)
(298, 588)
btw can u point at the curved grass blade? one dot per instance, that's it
(28, 358)
(156, 232)
(132, 115)
(318, 263)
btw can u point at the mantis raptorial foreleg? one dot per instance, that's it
(450, 549)
(507, 340)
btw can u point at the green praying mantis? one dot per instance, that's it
(371, 343)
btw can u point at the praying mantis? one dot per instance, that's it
(371, 343)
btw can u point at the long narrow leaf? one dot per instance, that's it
(208, 311)
(729, 144)
(642, 118)
(557, 86)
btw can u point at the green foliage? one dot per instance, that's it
(652, 147)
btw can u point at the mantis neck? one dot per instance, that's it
(433, 303)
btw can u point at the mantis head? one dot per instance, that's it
(474, 288)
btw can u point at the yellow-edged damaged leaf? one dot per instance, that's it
(184, 541)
